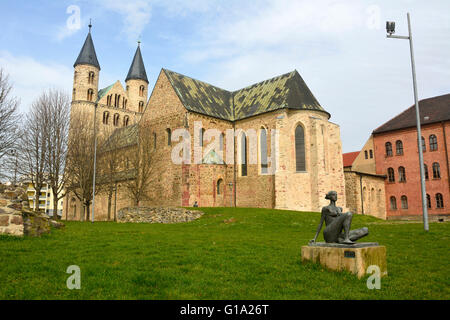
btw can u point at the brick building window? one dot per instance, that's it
(393, 203)
(366, 154)
(433, 143)
(404, 201)
(388, 146)
(371, 153)
(263, 150)
(105, 117)
(424, 145)
(300, 156)
(219, 187)
(436, 171)
(428, 201)
(439, 201)
(425, 169)
(401, 174)
(243, 155)
(391, 175)
(399, 147)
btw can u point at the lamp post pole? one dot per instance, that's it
(391, 30)
(95, 162)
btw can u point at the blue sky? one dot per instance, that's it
(339, 48)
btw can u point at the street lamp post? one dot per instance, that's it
(95, 162)
(390, 28)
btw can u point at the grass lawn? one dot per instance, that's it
(254, 254)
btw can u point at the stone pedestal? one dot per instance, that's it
(355, 258)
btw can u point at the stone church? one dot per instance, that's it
(274, 145)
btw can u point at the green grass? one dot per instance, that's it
(258, 256)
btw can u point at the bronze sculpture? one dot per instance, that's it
(336, 222)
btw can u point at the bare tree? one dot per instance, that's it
(140, 162)
(32, 146)
(79, 162)
(57, 117)
(9, 119)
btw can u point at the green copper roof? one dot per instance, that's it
(287, 91)
(103, 92)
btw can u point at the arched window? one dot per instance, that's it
(115, 100)
(391, 175)
(141, 106)
(425, 171)
(433, 143)
(401, 174)
(393, 203)
(399, 147)
(90, 95)
(404, 201)
(91, 77)
(118, 101)
(243, 155)
(371, 153)
(154, 141)
(300, 156)
(105, 117)
(126, 121)
(141, 91)
(116, 119)
(439, 201)
(219, 186)
(169, 137)
(263, 150)
(366, 154)
(436, 171)
(428, 201)
(200, 136)
(123, 103)
(388, 146)
(424, 145)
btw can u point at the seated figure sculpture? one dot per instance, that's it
(336, 222)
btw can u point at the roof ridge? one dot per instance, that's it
(261, 82)
(204, 82)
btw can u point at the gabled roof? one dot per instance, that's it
(287, 91)
(432, 110)
(349, 158)
(87, 54)
(104, 91)
(137, 69)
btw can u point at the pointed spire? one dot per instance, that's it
(87, 54)
(137, 69)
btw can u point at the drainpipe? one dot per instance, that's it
(362, 195)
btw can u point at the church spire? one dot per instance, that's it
(87, 54)
(137, 69)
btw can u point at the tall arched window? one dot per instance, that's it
(115, 100)
(90, 95)
(428, 201)
(243, 155)
(424, 145)
(141, 106)
(399, 147)
(433, 143)
(141, 91)
(201, 136)
(123, 103)
(401, 174)
(300, 156)
(371, 153)
(393, 203)
(169, 136)
(404, 201)
(425, 171)
(219, 187)
(116, 119)
(105, 117)
(436, 171)
(366, 154)
(439, 201)
(91, 77)
(391, 175)
(126, 121)
(388, 147)
(263, 150)
(118, 101)
(154, 141)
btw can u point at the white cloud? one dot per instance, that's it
(30, 77)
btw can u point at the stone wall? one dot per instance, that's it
(11, 221)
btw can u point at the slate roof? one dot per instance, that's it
(287, 91)
(87, 54)
(121, 138)
(137, 68)
(436, 109)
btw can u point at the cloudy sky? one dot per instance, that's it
(339, 48)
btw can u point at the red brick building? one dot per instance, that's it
(397, 157)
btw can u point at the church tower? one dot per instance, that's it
(87, 71)
(137, 83)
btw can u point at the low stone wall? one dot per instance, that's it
(11, 221)
(157, 215)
